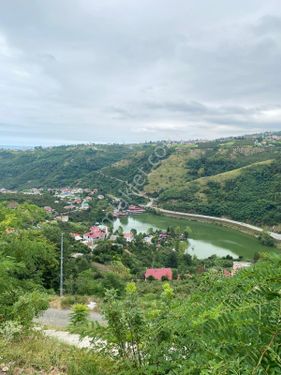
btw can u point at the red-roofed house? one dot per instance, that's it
(158, 273)
(132, 209)
(96, 233)
(128, 236)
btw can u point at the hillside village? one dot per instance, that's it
(140, 187)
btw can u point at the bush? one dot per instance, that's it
(88, 285)
(69, 301)
(79, 315)
(266, 239)
(28, 307)
(150, 278)
(10, 330)
(112, 281)
(175, 274)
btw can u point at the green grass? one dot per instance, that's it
(222, 177)
(37, 354)
(171, 172)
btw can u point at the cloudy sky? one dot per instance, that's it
(134, 70)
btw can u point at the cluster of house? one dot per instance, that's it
(167, 273)
(33, 191)
(97, 233)
(131, 210)
(268, 140)
(58, 217)
(76, 198)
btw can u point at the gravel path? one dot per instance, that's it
(69, 338)
(75, 340)
(60, 318)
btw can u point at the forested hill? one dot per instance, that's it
(60, 166)
(238, 178)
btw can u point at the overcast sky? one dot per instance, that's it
(134, 70)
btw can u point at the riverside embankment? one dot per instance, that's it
(214, 219)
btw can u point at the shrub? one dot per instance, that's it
(28, 307)
(175, 274)
(10, 330)
(69, 301)
(168, 292)
(131, 288)
(266, 239)
(79, 315)
(150, 278)
(112, 281)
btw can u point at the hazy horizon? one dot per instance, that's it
(31, 146)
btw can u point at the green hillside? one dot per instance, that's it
(238, 178)
(200, 323)
(250, 194)
(57, 166)
(234, 312)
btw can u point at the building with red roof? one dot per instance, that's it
(96, 233)
(128, 236)
(132, 209)
(158, 273)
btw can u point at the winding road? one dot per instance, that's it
(238, 224)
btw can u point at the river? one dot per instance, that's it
(206, 239)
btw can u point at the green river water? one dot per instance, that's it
(205, 240)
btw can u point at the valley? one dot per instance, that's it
(140, 187)
(239, 178)
(111, 242)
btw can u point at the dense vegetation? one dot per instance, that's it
(221, 326)
(238, 178)
(252, 195)
(224, 326)
(203, 323)
(57, 166)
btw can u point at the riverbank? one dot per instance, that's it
(213, 219)
(206, 238)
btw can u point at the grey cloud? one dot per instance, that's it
(268, 24)
(125, 70)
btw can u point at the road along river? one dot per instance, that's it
(206, 238)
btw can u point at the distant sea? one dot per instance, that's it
(13, 147)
